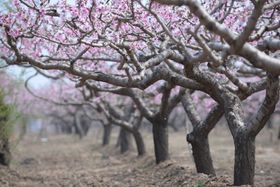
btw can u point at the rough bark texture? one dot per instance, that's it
(244, 163)
(201, 153)
(198, 138)
(160, 136)
(106, 134)
(5, 154)
(125, 140)
(139, 143)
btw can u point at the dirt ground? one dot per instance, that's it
(68, 161)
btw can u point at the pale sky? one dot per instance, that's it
(37, 82)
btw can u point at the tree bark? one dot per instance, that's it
(125, 140)
(85, 126)
(106, 134)
(244, 164)
(5, 154)
(118, 143)
(160, 136)
(78, 127)
(198, 138)
(201, 153)
(139, 143)
(279, 133)
(270, 123)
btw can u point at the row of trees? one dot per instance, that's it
(158, 54)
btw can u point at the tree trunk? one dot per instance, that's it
(23, 128)
(160, 135)
(270, 123)
(279, 133)
(139, 143)
(244, 163)
(5, 154)
(201, 153)
(106, 134)
(118, 143)
(125, 140)
(78, 127)
(85, 127)
(65, 128)
(58, 128)
(173, 126)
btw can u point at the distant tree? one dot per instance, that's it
(279, 133)
(5, 131)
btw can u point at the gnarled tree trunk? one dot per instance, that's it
(244, 158)
(125, 140)
(201, 153)
(139, 143)
(160, 136)
(198, 138)
(106, 134)
(244, 164)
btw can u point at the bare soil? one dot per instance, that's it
(68, 161)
